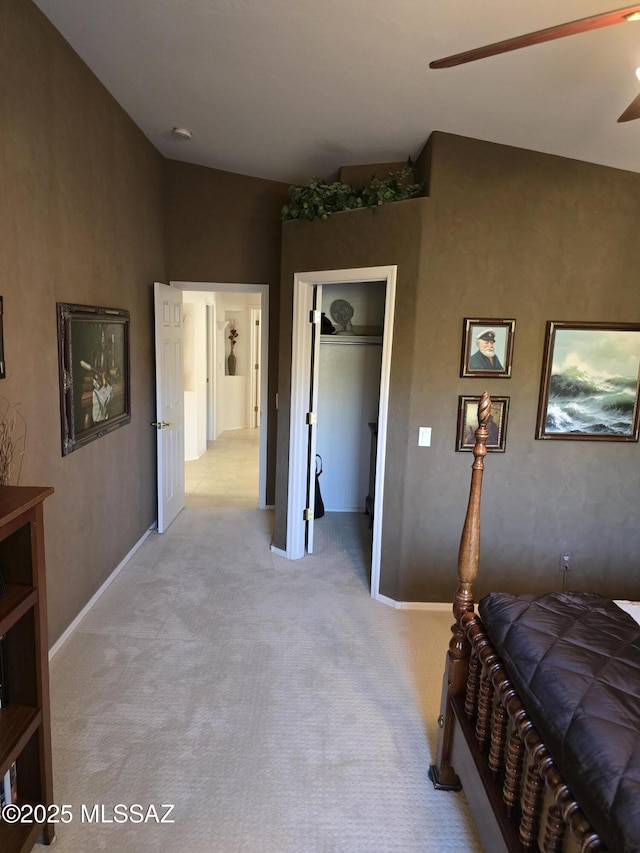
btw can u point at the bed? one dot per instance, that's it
(540, 711)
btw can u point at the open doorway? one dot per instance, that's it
(370, 441)
(225, 427)
(226, 474)
(348, 402)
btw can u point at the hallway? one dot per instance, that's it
(227, 474)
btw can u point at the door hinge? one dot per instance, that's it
(314, 317)
(308, 514)
(257, 322)
(255, 408)
(256, 366)
(312, 418)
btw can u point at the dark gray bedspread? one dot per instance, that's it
(574, 659)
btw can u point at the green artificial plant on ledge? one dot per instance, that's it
(318, 199)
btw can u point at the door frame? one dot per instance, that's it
(255, 322)
(303, 287)
(263, 290)
(211, 315)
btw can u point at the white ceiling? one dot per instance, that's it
(289, 89)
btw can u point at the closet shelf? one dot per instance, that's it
(343, 340)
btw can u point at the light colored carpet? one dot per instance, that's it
(274, 703)
(226, 475)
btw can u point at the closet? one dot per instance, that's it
(349, 391)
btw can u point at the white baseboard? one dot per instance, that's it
(114, 574)
(279, 552)
(434, 606)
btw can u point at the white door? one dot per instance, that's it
(312, 417)
(169, 423)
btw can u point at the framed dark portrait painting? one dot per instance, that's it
(590, 382)
(487, 348)
(94, 361)
(496, 426)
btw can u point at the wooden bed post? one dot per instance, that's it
(454, 682)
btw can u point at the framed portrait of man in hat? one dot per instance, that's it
(487, 347)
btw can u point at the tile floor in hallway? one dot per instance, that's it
(226, 475)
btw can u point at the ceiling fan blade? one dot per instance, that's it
(632, 111)
(605, 19)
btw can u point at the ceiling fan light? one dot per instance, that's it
(638, 73)
(633, 16)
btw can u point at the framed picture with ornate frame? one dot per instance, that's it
(590, 382)
(94, 362)
(487, 348)
(468, 423)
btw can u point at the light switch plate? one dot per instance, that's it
(424, 436)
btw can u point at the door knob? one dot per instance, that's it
(161, 424)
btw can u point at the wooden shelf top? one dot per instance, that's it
(17, 499)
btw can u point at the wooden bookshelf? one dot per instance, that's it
(25, 719)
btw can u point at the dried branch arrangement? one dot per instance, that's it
(13, 437)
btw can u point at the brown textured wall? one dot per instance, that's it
(391, 235)
(81, 220)
(517, 234)
(223, 227)
(505, 233)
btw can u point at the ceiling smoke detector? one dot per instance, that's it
(182, 133)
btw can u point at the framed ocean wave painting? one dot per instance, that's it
(590, 382)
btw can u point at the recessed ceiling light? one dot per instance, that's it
(182, 133)
(638, 73)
